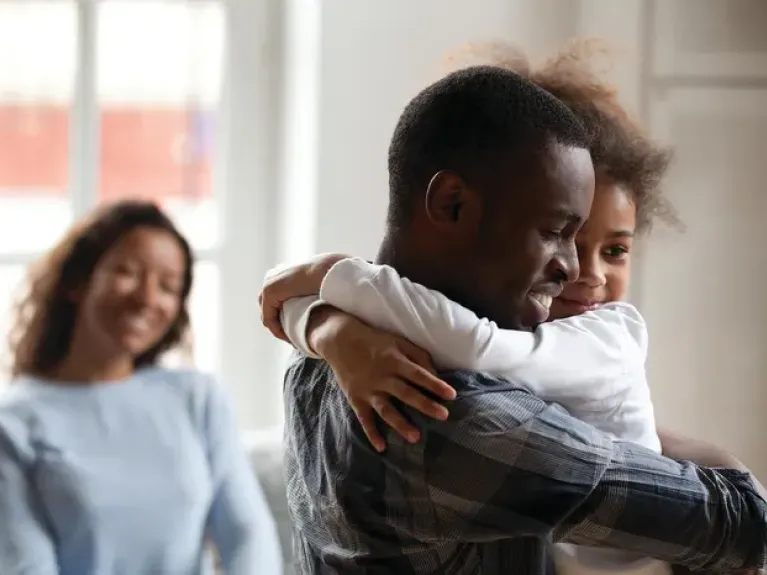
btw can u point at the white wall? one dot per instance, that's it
(706, 94)
(247, 172)
(353, 65)
(372, 58)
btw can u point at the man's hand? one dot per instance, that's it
(285, 282)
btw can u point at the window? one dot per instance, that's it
(36, 88)
(109, 99)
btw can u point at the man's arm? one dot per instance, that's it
(506, 464)
(682, 448)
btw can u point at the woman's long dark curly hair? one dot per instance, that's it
(45, 316)
(620, 148)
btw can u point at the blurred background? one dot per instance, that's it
(263, 125)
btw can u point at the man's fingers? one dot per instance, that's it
(394, 418)
(366, 417)
(410, 395)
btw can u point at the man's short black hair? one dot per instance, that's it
(466, 122)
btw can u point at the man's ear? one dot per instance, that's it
(451, 204)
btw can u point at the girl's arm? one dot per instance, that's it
(582, 357)
(295, 316)
(454, 336)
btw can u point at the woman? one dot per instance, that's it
(108, 462)
(628, 199)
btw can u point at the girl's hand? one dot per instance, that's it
(283, 283)
(372, 367)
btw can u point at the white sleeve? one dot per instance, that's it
(454, 336)
(295, 317)
(579, 357)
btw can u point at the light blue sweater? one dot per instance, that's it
(128, 478)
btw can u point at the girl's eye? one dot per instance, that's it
(616, 252)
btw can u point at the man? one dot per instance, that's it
(490, 179)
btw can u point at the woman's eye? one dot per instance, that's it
(172, 289)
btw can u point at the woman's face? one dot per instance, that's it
(135, 293)
(604, 252)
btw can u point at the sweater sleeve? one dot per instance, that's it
(26, 547)
(240, 522)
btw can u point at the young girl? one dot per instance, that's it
(108, 463)
(593, 364)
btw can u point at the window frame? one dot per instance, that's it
(245, 177)
(84, 141)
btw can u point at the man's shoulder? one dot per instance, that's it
(484, 400)
(489, 407)
(310, 386)
(468, 383)
(302, 368)
(481, 398)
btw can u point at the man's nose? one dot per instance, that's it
(566, 262)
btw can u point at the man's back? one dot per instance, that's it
(484, 491)
(358, 511)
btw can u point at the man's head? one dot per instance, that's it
(489, 180)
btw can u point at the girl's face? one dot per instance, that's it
(604, 251)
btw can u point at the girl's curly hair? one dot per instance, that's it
(45, 315)
(620, 148)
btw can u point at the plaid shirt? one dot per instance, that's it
(485, 491)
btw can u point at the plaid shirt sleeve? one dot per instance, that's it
(506, 464)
